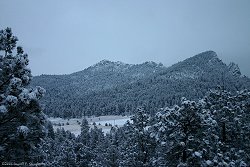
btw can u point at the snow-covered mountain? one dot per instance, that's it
(115, 87)
(101, 76)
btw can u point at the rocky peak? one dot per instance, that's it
(234, 69)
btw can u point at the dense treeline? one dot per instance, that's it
(214, 131)
(116, 88)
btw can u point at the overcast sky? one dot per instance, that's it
(62, 36)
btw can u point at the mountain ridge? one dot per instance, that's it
(116, 88)
(210, 56)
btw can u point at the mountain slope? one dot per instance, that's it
(115, 88)
(101, 76)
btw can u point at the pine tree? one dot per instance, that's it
(22, 122)
(67, 155)
(178, 133)
(113, 155)
(138, 147)
(83, 155)
(232, 115)
(84, 137)
(99, 145)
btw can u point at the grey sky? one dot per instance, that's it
(66, 36)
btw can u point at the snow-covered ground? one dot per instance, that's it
(74, 124)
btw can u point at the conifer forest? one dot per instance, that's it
(194, 113)
(124, 83)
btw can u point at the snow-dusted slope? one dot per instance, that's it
(115, 87)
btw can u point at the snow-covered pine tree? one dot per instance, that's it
(60, 151)
(84, 155)
(112, 155)
(232, 114)
(178, 132)
(22, 122)
(67, 156)
(84, 137)
(98, 145)
(138, 147)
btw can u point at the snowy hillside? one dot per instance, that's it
(109, 88)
